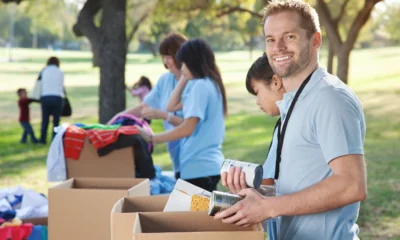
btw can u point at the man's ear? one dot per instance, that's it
(317, 40)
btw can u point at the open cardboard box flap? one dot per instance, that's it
(189, 225)
(123, 213)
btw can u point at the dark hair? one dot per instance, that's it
(20, 90)
(53, 61)
(170, 46)
(261, 71)
(144, 81)
(200, 60)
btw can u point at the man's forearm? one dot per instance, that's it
(333, 192)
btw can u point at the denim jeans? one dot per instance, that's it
(28, 130)
(51, 106)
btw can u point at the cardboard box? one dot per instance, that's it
(36, 221)
(80, 208)
(119, 163)
(124, 212)
(189, 225)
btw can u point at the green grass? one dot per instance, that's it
(374, 75)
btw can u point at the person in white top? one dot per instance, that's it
(51, 96)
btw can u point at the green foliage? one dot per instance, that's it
(390, 20)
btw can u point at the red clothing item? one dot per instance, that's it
(16, 232)
(23, 104)
(101, 138)
(74, 139)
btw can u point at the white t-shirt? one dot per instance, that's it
(52, 81)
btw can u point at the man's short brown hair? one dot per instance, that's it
(309, 17)
(170, 46)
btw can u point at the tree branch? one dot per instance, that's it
(135, 28)
(330, 26)
(342, 11)
(225, 10)
(359, 22)
(85, 23)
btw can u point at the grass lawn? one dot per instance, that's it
(374, 75)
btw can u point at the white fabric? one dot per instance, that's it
(52, 81)
(33, 204)
(56, 170)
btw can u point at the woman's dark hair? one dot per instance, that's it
(261, 71)
(144, 81)
(170, 46)
(200, 60)
(53, 61)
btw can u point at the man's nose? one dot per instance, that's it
(280, 45)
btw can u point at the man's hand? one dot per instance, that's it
(144, 134)
(234, 180)
(247, 212)
(152, 113)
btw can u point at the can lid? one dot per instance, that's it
(258, 176)
(211, 205)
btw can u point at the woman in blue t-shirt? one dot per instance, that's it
(200, 94)
(155, 103)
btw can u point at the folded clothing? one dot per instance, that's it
(74, 139)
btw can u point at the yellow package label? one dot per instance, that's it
(199, 203)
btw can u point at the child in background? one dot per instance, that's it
(23, 104)
(141, 88)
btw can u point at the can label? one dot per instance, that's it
(253, 172)
(221, 201)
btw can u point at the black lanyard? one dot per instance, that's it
(281, 133)
(273, 134)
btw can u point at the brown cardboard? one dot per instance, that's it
(124, 212)
(36, 221)
(117, 164)
(80, 208)
(189, 225)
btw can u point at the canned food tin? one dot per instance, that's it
(253, 172)
(221, 201)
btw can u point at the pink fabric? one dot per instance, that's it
(140, 92)
(140, 122)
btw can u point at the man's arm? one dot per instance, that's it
(346, 185)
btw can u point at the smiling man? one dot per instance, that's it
(320, 167)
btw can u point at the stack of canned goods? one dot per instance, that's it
(253, 172)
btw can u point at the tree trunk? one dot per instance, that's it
(342, 70)
(112, 59)
(150, 45)
(331, 55)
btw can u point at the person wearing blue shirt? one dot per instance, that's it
(155, 103)
(320, 166)
(201, 96)
(262, 82)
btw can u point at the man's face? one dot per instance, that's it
(287, 45)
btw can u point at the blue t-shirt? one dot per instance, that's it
(269, 165)
(158, 98)
(201, 153)
(326, 123)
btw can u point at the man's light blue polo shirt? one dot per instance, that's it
(158, 98)
(327, 122)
